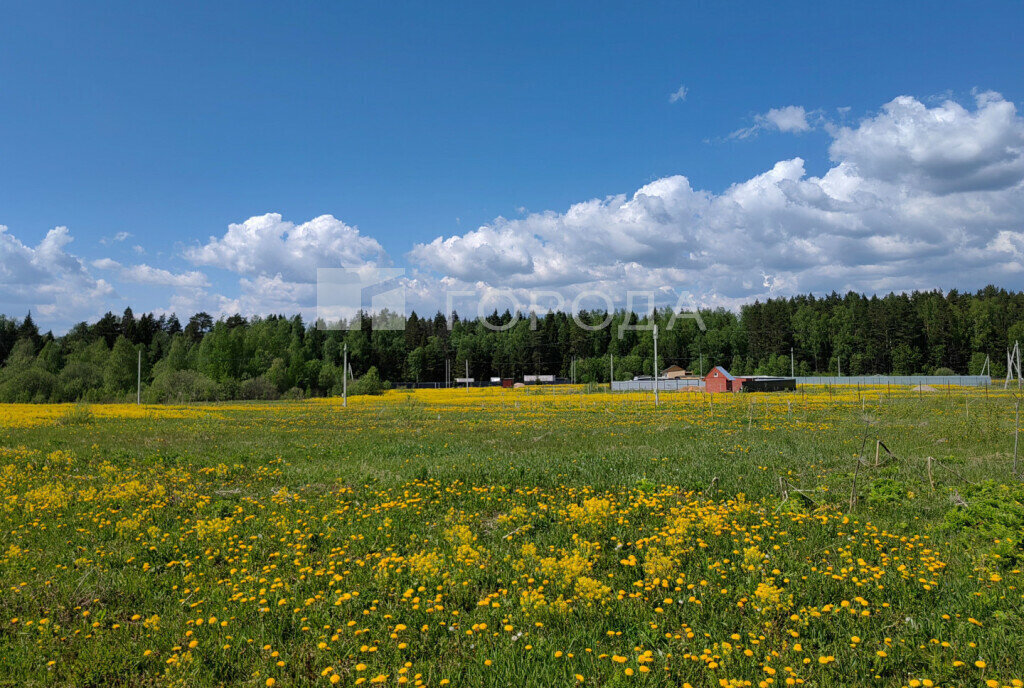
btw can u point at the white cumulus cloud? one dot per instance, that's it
(943, 149)
(268, 245)
(277, 261)
(790, 119)
(46, 278)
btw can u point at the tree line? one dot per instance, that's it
(277, 356)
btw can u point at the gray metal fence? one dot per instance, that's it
(933, 380)
(663, 385)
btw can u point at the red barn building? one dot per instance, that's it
(718, 379)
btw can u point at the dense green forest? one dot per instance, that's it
(275, 356)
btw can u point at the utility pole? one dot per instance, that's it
(344, 378)
(701, 354)
(792, 366)
(467, 374)
(611, 370)
(138, 389)
(655, 365)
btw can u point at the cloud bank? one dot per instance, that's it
(914, 197)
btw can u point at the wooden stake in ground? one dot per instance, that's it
(1016, 432)
(1016, 359)
(853, 490)
(710, 486)
(1012, 366)
(879, 444)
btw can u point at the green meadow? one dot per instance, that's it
(515, 537)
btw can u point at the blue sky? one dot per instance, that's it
(413, 121)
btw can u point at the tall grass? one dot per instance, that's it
(79, 414)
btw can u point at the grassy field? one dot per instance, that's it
(515, 538)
